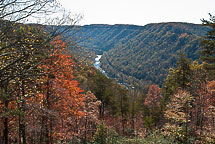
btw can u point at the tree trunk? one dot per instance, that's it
(85, 132)
(22, 124)
(51, 130)
(5, 133)
(101, 110)
(20, 131)
(132, 118)
(47, 106)
(41, 130)
(47, 132)
(122, 114)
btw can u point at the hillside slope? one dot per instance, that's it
(141, 54)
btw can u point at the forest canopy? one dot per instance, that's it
(49, 93)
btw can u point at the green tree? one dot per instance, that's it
(181, 76)
(207, 53)
(101, 87)
(105, 135)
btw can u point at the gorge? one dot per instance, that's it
(141, 54)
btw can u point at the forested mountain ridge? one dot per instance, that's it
(103, 37)
(142, 54)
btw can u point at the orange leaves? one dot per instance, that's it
(153, 97)
(210, 99)
(59, 93)
(211, 86)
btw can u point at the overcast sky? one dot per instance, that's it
(140, 12)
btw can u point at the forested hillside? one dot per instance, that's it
(141, 54)
(100, 38)
(51, 94)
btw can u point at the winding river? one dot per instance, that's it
(97, 64)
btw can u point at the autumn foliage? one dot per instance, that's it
(48, 96)
(59, 93)
(44, 107)
(154, 96)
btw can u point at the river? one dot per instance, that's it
(97, 64)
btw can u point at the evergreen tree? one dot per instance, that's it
(179, 77)
(207, 53)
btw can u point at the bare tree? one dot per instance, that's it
(14, 11)
(17, 10)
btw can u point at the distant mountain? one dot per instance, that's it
(141, 54)
(101, 37)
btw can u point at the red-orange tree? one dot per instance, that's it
(152, 108)
(59, 95)
(154, 96)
